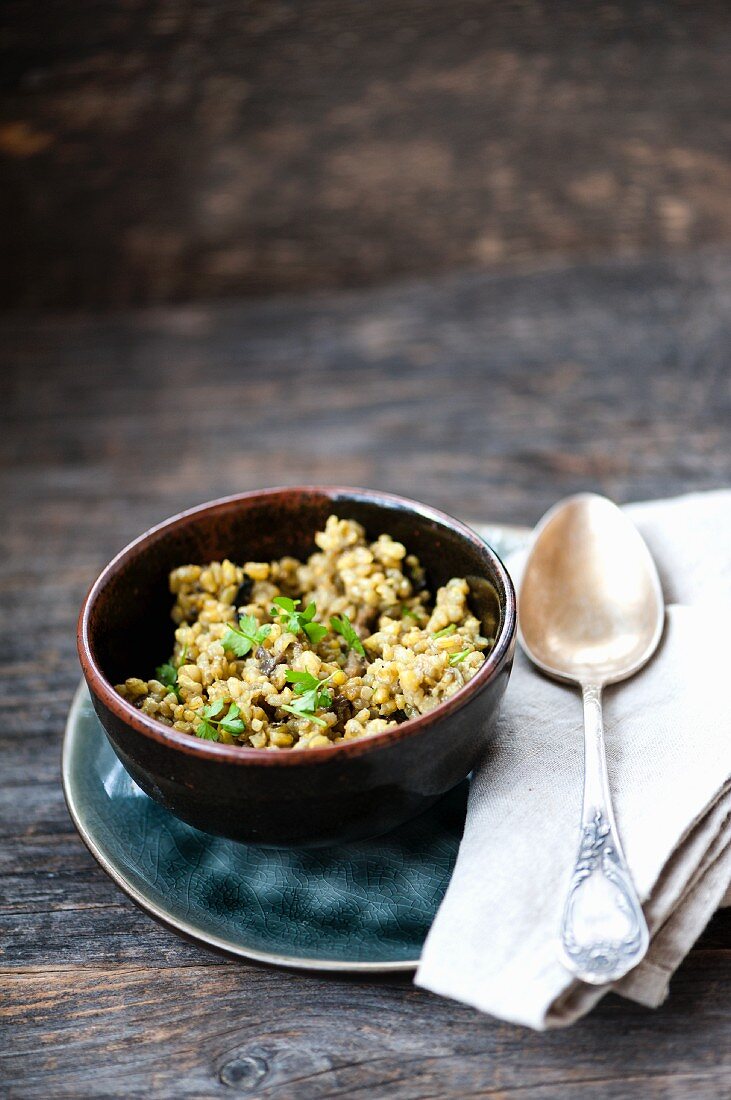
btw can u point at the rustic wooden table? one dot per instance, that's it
(490, 396)
(170, 150)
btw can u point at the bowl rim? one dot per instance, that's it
(103, 689)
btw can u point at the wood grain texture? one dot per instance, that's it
(176, 149)
(488, 396)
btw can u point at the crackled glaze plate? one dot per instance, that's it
(364, 906)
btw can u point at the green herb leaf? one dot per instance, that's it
(167, 674)
(315, 632)
(212, 722)
(306, 702)
(311, 695)
(283, 603)
(344, 627)
(236, 643)
(408, 613)
(292, 676)
(457, 657)
(248, 625)
(299, 622)
(446, 631)
(232, 725)
(303, 680)
(299, 714)
(214, 709)
(248, 635)
(207, 731)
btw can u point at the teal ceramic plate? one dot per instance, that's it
(365, 906)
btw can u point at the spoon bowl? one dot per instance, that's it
(590, 604)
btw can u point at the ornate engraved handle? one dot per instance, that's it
(603, 932)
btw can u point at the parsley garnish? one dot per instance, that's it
(312, 695)
(167, 674)
(457, 657)
(213, 721)
(243, 638)
(298, 622)
(445, 631)
(407, 613)
(344, 627)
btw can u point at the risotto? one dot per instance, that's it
(295, 655)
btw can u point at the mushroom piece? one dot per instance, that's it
(267, 661)
(355, 664)
(244, 592)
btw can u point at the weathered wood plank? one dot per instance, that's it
(161, 151)
(194, 1031)
(485, 395)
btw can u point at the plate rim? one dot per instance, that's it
(186, 928)
(189, 930)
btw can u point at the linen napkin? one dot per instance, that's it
(668, 739)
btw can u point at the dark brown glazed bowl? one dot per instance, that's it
(319, 796)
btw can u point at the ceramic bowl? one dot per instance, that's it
(319, 796)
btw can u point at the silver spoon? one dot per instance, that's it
(590, 611)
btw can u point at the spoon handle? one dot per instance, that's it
(603, 932)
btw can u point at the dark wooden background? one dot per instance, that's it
(158, 150)
(489, 247)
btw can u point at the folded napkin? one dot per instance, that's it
(668, 739)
